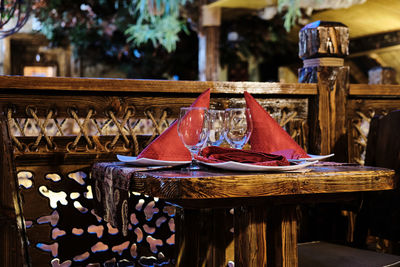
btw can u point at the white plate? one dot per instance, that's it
(149, 162)
(314, 157)
(237, 166)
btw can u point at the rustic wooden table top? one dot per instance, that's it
(218, 184)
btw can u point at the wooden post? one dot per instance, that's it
(254, 225)
(210, 21)
(322, 46)
(250, 224)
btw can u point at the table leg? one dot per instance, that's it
(282, 236)
(265, 236)
(202, 236)
(250, 236)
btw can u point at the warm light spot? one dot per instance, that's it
(53, 248)
(96, 229)
(120, 248)
(89, 193)
(74, 195)
(52, 219)
(149, 211)
(24, 179)
(171, 240)
(160, 221)
(82, 257)
(77, 231)
(139, 205)
(133, 219)
(79, 207)
(129, 226)
(170, 210)
(78, 177)
(171, 225)
(134, 250)
(139, 234)
(99, 247)
(148, 229)
(54, 197)
(112, 230)
(154, 243)
(57, 232)
(56, 263)
(53, 176)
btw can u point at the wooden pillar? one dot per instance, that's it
(322, 47)
(209, 31)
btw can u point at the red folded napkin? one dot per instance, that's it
(168, 146)
(267, 135)
(214, 154)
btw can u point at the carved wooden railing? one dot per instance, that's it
(61, 126)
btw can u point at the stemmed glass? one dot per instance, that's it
(216, 127)
(238, 126)
(193, 131)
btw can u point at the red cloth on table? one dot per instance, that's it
(268, 136)
(168, 146)
(214, 154)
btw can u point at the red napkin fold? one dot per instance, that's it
(214, 154)
(168, 146)
(268, 136)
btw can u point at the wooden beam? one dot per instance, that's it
(366, 44)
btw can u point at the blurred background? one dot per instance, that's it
(226, 40)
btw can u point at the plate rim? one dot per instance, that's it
(222, 165)
(148, 161)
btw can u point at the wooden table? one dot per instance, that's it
(265, 218)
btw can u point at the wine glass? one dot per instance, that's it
(193, 131)
(216, 127)
(238, 126)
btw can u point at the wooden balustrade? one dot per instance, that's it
(61, 126)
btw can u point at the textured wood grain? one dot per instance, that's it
(374, 90)
(127, 85)
(216, 184)
(250, 224)
(328, 124)
(282, 236)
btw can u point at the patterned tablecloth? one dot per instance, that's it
(111, 182)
